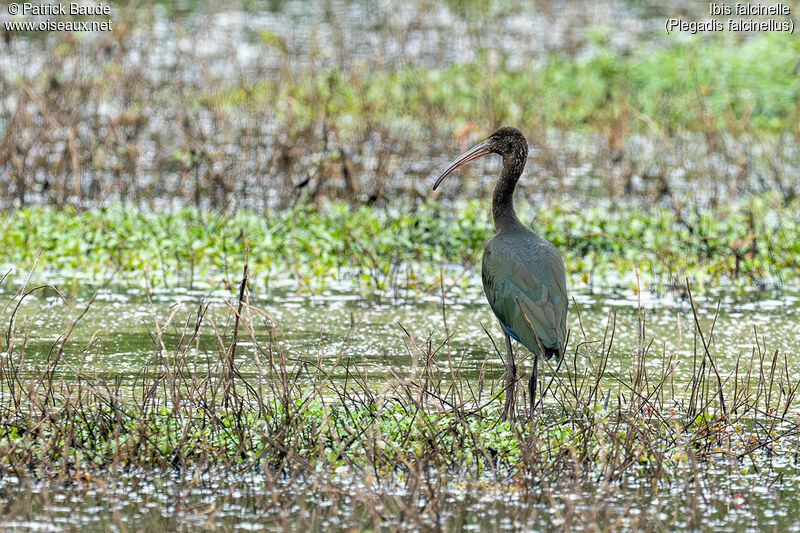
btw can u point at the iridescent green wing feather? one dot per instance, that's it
(525, 283)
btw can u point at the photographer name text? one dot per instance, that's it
(26, 10)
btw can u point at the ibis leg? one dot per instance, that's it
(532, 382)
(511, 380)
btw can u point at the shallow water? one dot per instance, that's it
(731, 496)
(145, 500)
(123, 322)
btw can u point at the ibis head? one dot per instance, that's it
(507, 141)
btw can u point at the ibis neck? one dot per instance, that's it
(503, 211)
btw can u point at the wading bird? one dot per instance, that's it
(523, 274)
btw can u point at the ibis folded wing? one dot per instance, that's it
(525, 283)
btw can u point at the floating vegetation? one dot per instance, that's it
(752, 243)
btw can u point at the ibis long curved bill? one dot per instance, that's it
(479, 150)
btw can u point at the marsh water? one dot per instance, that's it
(146, 501)
(122, 322)
(192, 41)
(328, 323)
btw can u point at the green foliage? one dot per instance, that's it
(696, 85)
(324, 436)
(367, 247)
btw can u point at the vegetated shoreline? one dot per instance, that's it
(424, 431)
(400, 250)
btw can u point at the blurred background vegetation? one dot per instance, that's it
(271, 105)
(363, 101)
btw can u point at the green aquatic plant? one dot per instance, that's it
(753, 242)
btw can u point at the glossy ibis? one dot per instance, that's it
(523, 274)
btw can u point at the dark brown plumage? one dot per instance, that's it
(523, 274)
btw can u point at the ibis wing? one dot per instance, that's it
(525, 283)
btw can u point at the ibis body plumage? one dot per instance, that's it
(523, 274)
